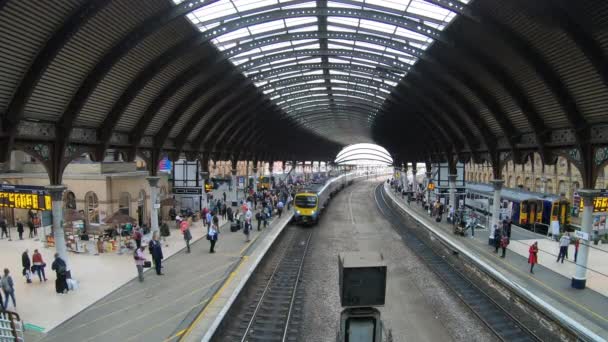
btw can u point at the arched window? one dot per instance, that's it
(91, 203)
(538, 185)
(124, 203)
(528, 184)
(575, 186)
(69, 200)
(517, 182)
(561, 187)
(549, 188)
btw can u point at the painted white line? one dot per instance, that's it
(350, 207)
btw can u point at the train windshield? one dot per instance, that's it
(304, 201)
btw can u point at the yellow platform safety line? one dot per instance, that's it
(186, 332)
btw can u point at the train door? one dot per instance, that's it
(561, 212)
(523, 213)
(533, 211)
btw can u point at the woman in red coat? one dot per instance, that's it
(533, 258)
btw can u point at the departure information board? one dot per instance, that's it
(24, 197)
(600, 204)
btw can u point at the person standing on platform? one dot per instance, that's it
(497, 236)
(20, 229)
(564, 242)
(60, 267)
(4, 227)
(504, 242)
(224, 211)
(224, 195)
(258, 217)
(208, 219)
(184, 227)
(212, 234)
(26, 263)
(577, 244)
(280, 206)
(39, 265)
(157, 253)
(140, 259)
(533, 257)
(30, 226)
(137, 236)
(8, 287)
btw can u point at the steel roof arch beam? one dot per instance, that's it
(382, 61)
(374, 159)
(146, 75)
(268, 75)
(230, 91)
(330, 102)
(305, 87)
(311, 96)
(301, 80)
(44, 57)
(278, 14)
(216, 80)
(357, 152)
(436, 119)
(460, 107)
(338, 107)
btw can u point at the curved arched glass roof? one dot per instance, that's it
(328, 64)
(364, 154)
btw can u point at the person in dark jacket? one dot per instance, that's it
(61, 268)
(4, 227)
(27, 264)
(157, 253)
(20, 229)
(31, 227)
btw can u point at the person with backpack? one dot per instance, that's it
(8, 288)
(61, 269)
(140, 259)
(25, 262)
(212, 234)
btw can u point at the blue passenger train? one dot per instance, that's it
(524, 207)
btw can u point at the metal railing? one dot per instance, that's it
(11, 327)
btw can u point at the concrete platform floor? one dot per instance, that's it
(418, 305)
(155, 309)
(38, 303)
(550, 281)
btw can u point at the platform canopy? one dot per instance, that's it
(300, 79)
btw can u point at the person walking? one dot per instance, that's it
(280, 206)
(212, 234)
(258, 217)
(497, 237)
(533, 257)
(224, 195)
(61, 269)
(577, 244)
(137, 236)
(185, 228)
(8, 287)
(26, 263)
(140, 259)
(4, 227)
(564, 242)
(504, 242)
(20, 229)
(157, 253)
(39, 265)
(208, 219)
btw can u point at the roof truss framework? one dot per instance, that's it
(490, 84)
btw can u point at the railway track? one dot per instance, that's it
(272, 314)
(498, 320)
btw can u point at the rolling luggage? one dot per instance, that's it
(235, 226)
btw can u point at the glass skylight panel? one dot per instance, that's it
(366, 70)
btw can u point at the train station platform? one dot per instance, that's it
(550, 281)
(111, 304)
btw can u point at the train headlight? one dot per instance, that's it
(297, 212)
(313, 212)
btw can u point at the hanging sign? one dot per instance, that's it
(24, 197)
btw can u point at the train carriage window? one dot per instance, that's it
(306, 201)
